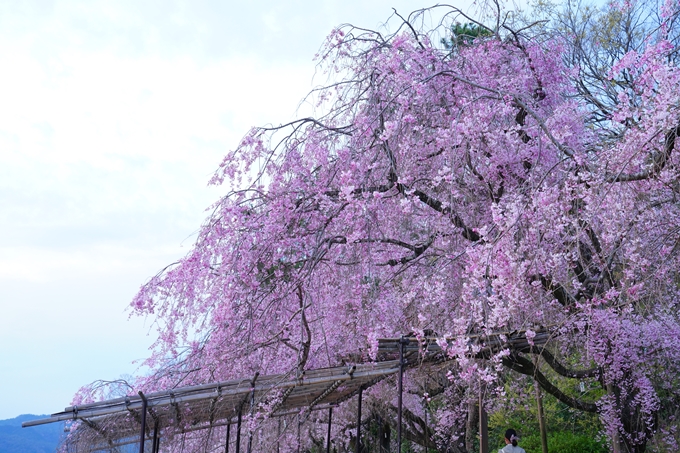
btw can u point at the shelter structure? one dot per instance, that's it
(152, 418)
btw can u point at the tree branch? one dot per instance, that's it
(435, 204)
(467, 232)
(562, 295)
(658, 163)
(561, 369)
(417, 251)
(524, 366)
(305, 325)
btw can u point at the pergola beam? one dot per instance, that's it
(166, 400)
(207, 406)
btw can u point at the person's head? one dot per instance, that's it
(511, 437)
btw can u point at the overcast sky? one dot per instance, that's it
(113, 116)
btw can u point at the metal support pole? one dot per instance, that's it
(226, 443)
(143, 431)
(156, 441)
(250, 433)
(328, 437)
(238, 434)
(358, 450)
(402, 342)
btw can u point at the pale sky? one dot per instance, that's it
(113, 116)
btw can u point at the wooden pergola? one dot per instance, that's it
(146, 418)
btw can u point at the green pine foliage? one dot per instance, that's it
(464, 34)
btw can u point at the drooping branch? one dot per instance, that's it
(467, 232)
(304, 355)
(659, 161)
(524, 366)
(417, 430)
(413, 248)
(559, 293)
(102, 432)
(417, 249)
(345, 130)
(413, 30)
(563, 370)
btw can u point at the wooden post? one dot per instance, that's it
(471, 424)
(483, 424)
(226, 443)
(539, 408)
(358, 450)
(400, 388)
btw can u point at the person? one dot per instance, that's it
(511, 439)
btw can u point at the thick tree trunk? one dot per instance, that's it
(632, 422)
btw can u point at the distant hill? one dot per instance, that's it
(37, 439)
